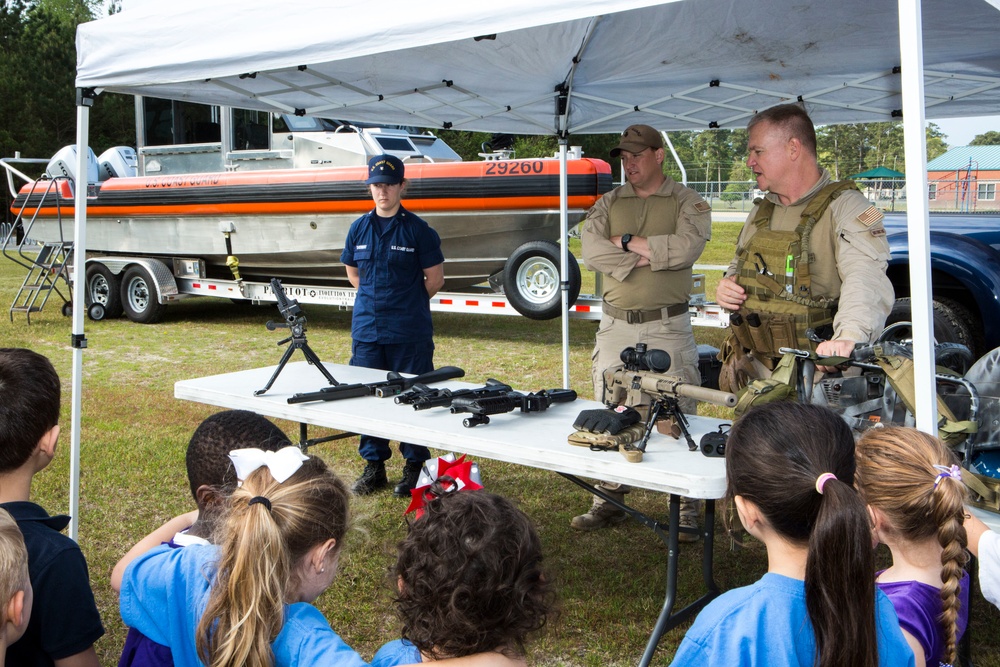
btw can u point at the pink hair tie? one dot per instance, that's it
(822, 480)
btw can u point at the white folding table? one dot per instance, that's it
(536, 439)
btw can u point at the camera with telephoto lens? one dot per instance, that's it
(638, 358)
(714, 442)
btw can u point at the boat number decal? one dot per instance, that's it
(502, 168)
(182, 181)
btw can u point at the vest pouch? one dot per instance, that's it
(741, 331)
(760, 334)
(782, 330)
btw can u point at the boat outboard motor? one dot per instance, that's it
(118, 162)
(63, 164)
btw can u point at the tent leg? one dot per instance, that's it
(84, 100)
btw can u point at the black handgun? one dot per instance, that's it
(481, 408)
(422, 397)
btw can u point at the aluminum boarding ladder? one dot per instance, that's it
(45, 272)
(47, 263)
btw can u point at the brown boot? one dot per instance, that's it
(601, 514)
(690, 510)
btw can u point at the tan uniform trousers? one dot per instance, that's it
(673, 335)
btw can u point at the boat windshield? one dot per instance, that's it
(305, 124)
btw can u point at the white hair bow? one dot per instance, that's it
(282, 464)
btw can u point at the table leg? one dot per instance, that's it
(305, 443)
(668, 620)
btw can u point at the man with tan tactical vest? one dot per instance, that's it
(644, 237)
(812, 255)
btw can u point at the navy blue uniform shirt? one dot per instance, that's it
(392, 305)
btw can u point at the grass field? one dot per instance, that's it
(134, 434)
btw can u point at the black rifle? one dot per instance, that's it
(295, 322)
(481, 408)
(422, 397)
(392, 385)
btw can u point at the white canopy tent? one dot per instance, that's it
(560, 67)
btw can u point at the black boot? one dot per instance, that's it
(372, 479)
(411, 472)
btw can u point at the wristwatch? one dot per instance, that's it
(625, 239)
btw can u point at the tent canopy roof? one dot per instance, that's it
(879, 172)
(500, 66)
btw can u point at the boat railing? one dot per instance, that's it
(11, 171)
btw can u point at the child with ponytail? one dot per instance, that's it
(247, 601)
(913, 485)
(790, 473)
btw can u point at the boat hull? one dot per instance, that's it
(292, 223)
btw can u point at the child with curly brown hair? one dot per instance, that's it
(913, 487)
(470, 580)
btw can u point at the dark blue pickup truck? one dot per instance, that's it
(965, 270)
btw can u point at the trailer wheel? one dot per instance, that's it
(531, 280)
(952, 323)
(139, 296)
(103, 288)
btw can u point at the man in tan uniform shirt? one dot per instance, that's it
(644, 236)
(849, 251)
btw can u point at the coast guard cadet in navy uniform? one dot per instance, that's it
(394, 260)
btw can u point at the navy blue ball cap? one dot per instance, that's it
(385, 169)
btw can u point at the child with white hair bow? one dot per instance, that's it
(248, 600)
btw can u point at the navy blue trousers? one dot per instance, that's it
(403, 358)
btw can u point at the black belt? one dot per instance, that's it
(643, 316)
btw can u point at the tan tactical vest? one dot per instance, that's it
(774, 270)
(645, 289)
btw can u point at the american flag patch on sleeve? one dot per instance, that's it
(870, 216)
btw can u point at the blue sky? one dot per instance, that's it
(960, 131)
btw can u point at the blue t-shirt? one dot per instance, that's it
(766, 623)
(392, 305)
(164, 594)
(397, 652)
(918, 606)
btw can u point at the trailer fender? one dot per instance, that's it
(162, 277)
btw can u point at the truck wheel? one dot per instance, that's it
(952, 322)
(139, 296)
(103, 288)
(531, 280)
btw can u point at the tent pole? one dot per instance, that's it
(564, 256)
(917, 220)
(84, 100)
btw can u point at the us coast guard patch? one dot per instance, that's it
(870, 216)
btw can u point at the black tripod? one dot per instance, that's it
(295, 321)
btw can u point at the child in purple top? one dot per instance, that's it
(914, 491)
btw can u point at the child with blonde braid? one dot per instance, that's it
(914, 489)
(248, 600)
(790, 472)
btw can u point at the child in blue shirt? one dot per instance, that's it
(913, 486)
(248, 600)
(469, 579)
(790, 473)
(212, 478)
